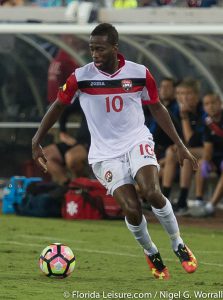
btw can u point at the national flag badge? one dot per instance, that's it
(108, 176)
(126, 84)
(64, 87)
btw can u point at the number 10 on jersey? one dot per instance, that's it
(114, 103)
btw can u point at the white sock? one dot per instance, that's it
(142, 236)
(168, 220)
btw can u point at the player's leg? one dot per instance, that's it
(76, 159)
(115, 176)
(127, 197)
(144, 168)
(147, 178)
(55, 163)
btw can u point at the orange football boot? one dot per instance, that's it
(187, 258)
(159, 270)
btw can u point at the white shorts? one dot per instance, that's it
(122, 170)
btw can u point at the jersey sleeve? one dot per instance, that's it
(69, 89)
(150, 93)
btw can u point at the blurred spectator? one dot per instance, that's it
(212, 159)
(60, 68)
(68, 158)
(180, 3)
(192, 122)
(143, 3)
(12, 2)
(63, 65)
(51, 3)
(162, 141)
(201, 3)
(166, 2)
(125, 3)
(83, 11)
(106, 3)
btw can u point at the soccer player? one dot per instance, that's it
(110, 91)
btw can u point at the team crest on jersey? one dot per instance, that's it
(108, 176)
(126, 84)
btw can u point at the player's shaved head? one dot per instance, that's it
(106, 29)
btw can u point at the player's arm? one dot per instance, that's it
(162, 117)
(64, 136)
(49, 119)
(64, 97)
(185, 121)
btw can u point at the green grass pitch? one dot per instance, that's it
(108, 261)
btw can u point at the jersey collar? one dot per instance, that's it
(121, 63)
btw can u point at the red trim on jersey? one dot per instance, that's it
(151, 88)
(67, 92)
(105, 91)
(145, 102)
(121, 63)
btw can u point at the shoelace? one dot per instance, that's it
(182, 253)
(157, 261)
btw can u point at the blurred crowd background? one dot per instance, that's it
(115, 3)
(188, 71)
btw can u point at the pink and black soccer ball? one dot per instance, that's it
(57, 260)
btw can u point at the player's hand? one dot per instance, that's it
(39, 157)
(183, 153)
(67, 139)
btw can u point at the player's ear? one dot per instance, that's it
(115, 47)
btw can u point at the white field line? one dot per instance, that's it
(43, 237)
(52, 238)
(102, 252)
(20, 244)
(75, 248)
(166, 250)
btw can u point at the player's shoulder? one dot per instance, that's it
(85, 70)
(135, 67)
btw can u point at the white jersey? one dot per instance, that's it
(112, 105)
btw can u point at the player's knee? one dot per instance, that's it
(153, 196)
(132, 209)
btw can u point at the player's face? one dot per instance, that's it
(212, 105)
(103, 53)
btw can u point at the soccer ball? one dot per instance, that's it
(57, 260)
